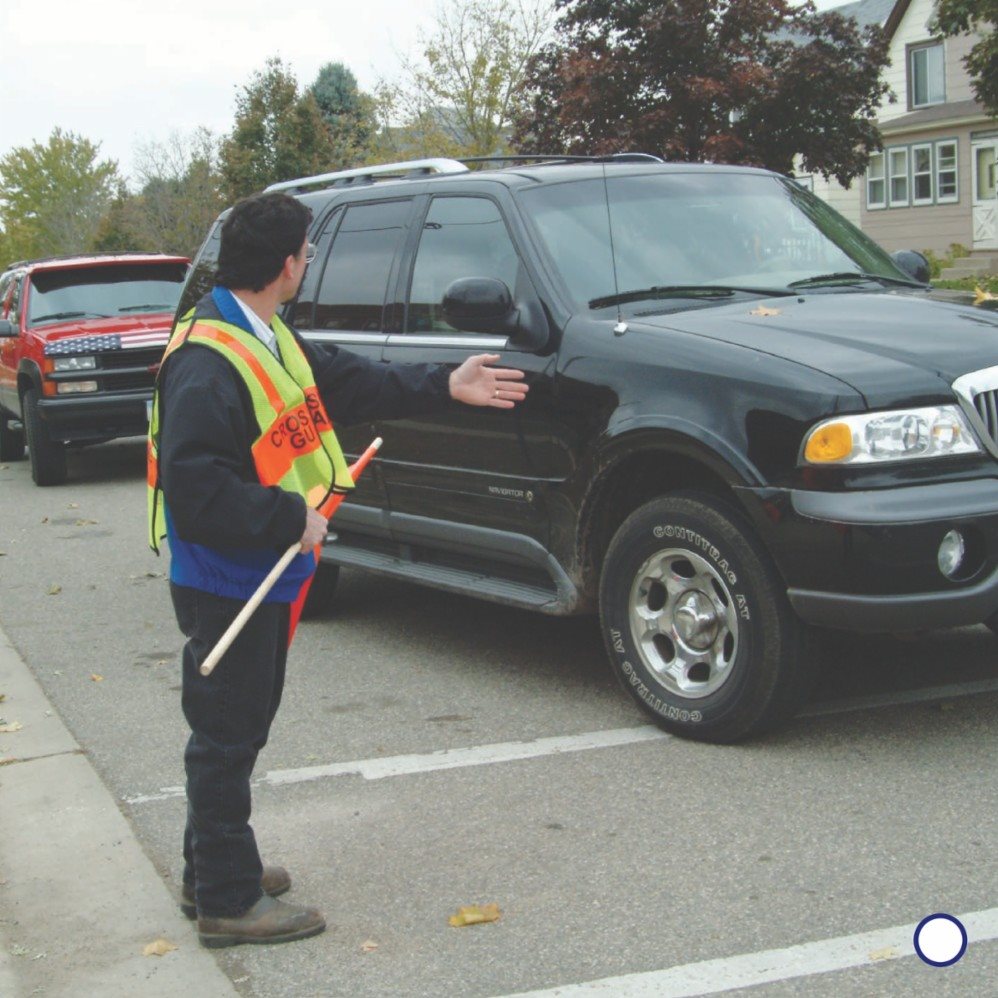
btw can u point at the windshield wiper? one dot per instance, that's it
(683, 291)
(850, 276)
(157, 307)
(69, 315)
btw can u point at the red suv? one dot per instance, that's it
(81, 339)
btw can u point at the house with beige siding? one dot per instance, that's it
(934, 183)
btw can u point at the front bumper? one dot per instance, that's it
(102, 416)
(867, 561)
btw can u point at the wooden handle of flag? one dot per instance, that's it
(275, 573)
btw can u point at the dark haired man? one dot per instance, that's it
(231, 494)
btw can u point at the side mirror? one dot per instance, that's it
(485, 305)
(913, 264)
(7, 328)
(479, 305)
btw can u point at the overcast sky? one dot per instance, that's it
(124, 72)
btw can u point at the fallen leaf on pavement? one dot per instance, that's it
(3, 696)
(45, 519)
(54, 590)
(85, 523)
(159, 948)
(73, 505)
(96, 678)
(887, 953)
(368, 946)
(6, 761)
(474, 914)
(9, 729)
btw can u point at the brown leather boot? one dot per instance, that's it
(268, 921)
(275, 881)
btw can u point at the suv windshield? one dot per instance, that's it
(108, 290)
(682, 230)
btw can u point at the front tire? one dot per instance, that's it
(48, 456)
(11, 440)
(697, 623)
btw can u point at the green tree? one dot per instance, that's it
(279, 134)
(347, 112)
(737, 81)
(53, 196)
(958, 17)
(461, 95)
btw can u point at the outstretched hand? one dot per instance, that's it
(475, 383)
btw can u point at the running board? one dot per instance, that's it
(541, 586)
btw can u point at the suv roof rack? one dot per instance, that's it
(369, 174)
(617, 157)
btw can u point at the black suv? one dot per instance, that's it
(744, 417)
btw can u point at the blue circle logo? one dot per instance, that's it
(940, 940)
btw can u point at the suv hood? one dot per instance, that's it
(889, 346)
(124, 326)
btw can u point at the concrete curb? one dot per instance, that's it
(79, 899)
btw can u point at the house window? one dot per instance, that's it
(876, 191)
(946, 187)
(926, 75)
(921, 174)
(898, 166)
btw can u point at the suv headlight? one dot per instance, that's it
(902, 435)
(74, 364)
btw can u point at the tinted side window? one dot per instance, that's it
(354, 283)
(201, 276)
(462, 237)
(300, 312)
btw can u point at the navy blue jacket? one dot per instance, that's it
(226, 530)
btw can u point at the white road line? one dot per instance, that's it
(745, 971)
(480, 755)
(483, 755)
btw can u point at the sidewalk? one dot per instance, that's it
(79, 899)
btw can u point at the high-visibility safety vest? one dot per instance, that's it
(295, 447)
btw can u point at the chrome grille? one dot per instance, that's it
(986, 404)
(978, 391)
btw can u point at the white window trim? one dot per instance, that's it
(919, 202)
(870, 204)
(891, 177)
(911, 73)
(947, 198)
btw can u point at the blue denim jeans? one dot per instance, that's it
(229, 714)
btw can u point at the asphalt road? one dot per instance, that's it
(874, 809)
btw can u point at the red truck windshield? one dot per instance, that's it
(103, 291)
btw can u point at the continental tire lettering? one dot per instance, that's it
(618, 641)
(656, 703)
(697, 541)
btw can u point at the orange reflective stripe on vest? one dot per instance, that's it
(206, 332)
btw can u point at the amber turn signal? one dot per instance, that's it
(830, 442)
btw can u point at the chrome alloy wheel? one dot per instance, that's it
(684, 622)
